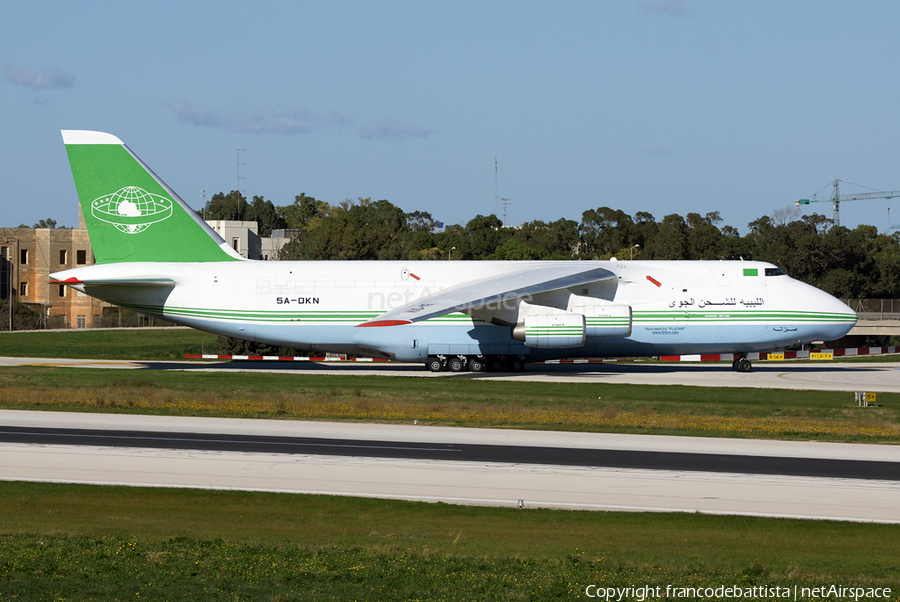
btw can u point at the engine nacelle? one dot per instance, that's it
(607, 321)
(553, 331)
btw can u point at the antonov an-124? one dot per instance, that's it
(156, 256)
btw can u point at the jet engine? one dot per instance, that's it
(552, 330)
(607, 321)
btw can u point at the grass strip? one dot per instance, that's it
(595, 407)
(126, 343)
(90, 542)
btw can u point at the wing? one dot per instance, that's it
(494, 290)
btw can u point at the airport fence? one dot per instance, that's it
(875, 309)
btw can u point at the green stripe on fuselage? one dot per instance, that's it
(356, 317)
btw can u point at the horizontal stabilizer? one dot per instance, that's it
(117, 282)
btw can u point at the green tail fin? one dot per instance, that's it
(131, 215)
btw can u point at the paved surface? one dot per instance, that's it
(481, 482)
(879, 377)
(404, 449)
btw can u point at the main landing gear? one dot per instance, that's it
(742, 364)
(475, 363)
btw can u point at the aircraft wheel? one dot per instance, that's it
(434, 364)
(743, 365)
(456, 364)
(494, 364)
(476, 364)
(516, 364)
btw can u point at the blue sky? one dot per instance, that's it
(664, 106)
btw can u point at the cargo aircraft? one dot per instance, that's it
(155, 255)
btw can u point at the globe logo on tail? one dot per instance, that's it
(131, 209)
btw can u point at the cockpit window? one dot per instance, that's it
(775, 272)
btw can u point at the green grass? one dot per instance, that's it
(126, 343)
(74, 542)
(88, 542)
(597, 407)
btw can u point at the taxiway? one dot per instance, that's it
(877, 377)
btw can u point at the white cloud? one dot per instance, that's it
(297, 121)
(37, 80)
(196, 116)
(264, 121)
(293, 121)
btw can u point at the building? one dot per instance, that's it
(27, 258)
(243, 236)
(29, 255)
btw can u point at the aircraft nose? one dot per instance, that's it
(836, 318)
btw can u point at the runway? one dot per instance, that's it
(488, 466)
(456, 452)
(877, 377)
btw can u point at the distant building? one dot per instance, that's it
(27, 258)
(243, 236)
(29, 255)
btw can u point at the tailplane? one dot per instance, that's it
(131, 215)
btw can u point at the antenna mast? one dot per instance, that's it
(495, 185)
(239, 178)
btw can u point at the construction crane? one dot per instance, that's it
(837, 197)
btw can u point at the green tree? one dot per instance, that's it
(885, 252)
(303, 209)
(513, 249)
(231, 206)
(670, 240)
(703, 236)
(848, 263)
(421, 221)
(453, 242)
(732, 245)
(603, 231)
(556, 240)
(485, 234)
(361, 230)
(266, 215)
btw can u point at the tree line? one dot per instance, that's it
(848, 263)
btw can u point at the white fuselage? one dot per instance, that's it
(677, 307)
